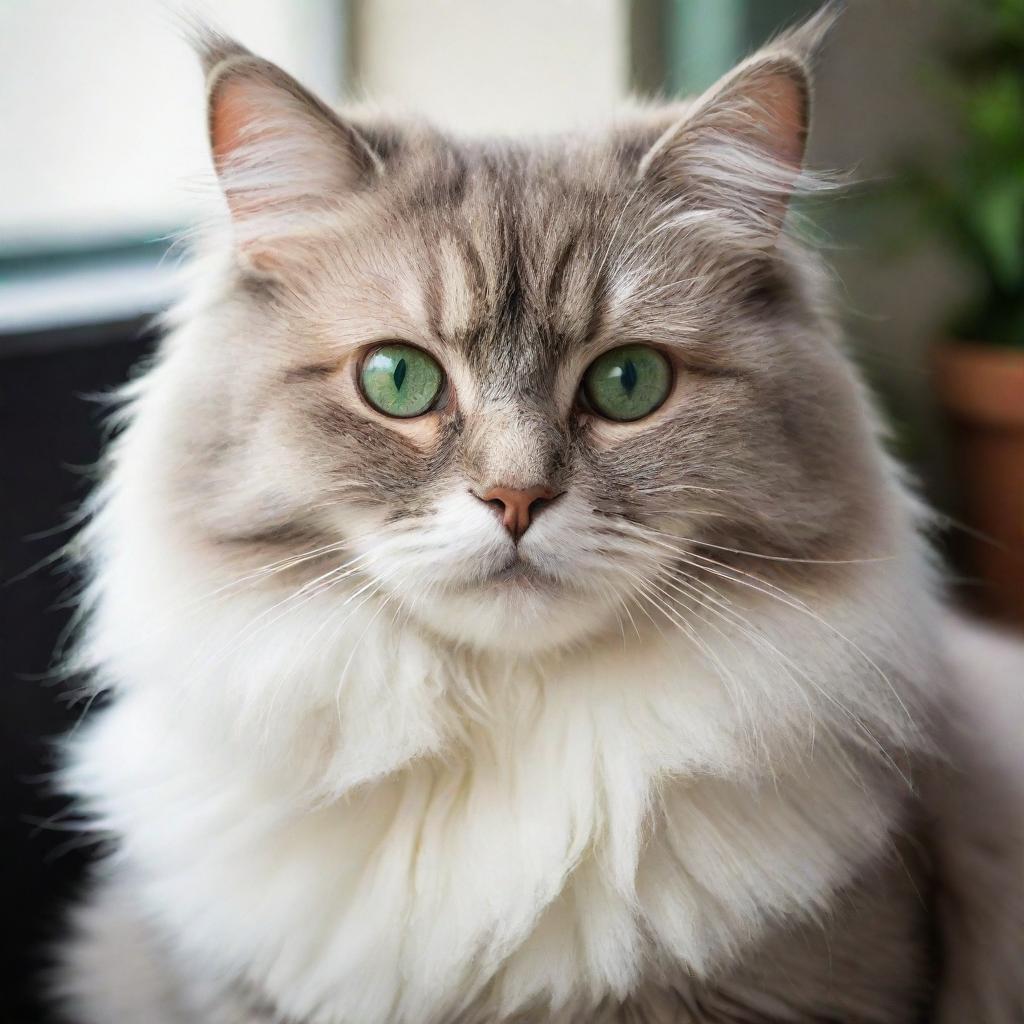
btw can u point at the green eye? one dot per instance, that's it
(400, 380)
(628, 383)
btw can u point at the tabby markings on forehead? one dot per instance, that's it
(454, 288)
(500, 284)
(557, 280)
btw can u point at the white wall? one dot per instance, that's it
(494, 65)
(101, 106)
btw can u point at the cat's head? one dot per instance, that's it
(520, 390)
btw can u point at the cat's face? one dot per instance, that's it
(508, 389)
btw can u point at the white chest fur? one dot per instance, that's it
(387, 845)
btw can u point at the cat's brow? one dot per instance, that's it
(455, 287)
(556, 280)
(511, 256)
(575, 295)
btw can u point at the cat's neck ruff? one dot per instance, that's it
(405, 826)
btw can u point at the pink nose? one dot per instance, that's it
(518, 508)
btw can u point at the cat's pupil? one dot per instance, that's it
(399, 374)
(628, 378)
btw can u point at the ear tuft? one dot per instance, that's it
(211, 45)
(740, 147)
(806, 39)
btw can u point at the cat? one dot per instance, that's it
(508, 610)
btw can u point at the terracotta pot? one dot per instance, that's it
(982, 388)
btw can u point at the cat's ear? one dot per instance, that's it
(739, 148)
(280, 153)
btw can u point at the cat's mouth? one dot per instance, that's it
(517, 572)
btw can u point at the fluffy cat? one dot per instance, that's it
(508, 610)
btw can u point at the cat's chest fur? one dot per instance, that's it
(872, 959)
(571, 842)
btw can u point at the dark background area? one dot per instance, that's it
(52, 431)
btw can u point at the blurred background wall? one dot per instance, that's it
(530, 66)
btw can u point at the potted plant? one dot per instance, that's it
(974, 196)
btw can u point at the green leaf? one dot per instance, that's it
(999, 216)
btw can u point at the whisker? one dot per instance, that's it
(734, 691)
(789, 666)
(763, 555)
(790, 601)
(739, 576)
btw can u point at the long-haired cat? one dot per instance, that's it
(508, 610)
